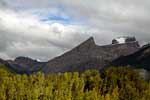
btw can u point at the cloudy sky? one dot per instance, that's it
(43, 29)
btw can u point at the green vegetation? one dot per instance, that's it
(5, 69)
(113, 84)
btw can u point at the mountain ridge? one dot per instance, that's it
(87, 55)
(139, 59)
(86, 52)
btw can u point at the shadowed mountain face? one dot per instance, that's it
(139, 59)
(88, 55)
(3, 62)
(25, 65)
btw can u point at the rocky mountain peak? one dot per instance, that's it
(90, 39)
(123, 39)
(24, 59)
(89, 42)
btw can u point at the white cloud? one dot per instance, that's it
(26, 35)
(21, 28)
(119, 17)
(57, 28)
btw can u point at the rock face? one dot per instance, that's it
(88, 55)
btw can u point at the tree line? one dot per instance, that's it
(115, 83)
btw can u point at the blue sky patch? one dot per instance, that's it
(61, 19)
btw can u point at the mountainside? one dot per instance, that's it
(88, 55)
(22, 65)
(3, 62)
(4, 65)
(139, 59)
(25, 65)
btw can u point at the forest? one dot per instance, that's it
(115, 83)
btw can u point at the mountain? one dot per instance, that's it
(88, 55)
(3, 62)
(25, 65)
(5, 65)
(139, 59)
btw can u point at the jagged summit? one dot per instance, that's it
(89, 42)
(123, 39)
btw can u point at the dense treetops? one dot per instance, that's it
(112, 84)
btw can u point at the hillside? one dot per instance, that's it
(25, 65)
(139, 59)
(4, 66)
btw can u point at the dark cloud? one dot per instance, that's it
(2, 4)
